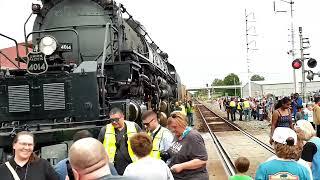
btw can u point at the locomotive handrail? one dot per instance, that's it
(25, 32)
(56, 30)
(9, 59)
(17, 50)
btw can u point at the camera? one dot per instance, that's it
(165, 155)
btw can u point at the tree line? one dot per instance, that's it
(229, 80)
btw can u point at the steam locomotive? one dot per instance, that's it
(86, 56)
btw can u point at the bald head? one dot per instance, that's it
(87, 155)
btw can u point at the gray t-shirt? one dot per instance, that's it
(189, 148)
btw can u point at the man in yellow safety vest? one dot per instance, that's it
(246, 110)
(161, 136)
(233, 109)
(115, 138)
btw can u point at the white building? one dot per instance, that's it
(261, 88)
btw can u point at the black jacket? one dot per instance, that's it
(39, 169)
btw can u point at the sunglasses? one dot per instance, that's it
(147, 124)
(114, 119)
(174, 115)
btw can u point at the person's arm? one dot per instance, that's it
(166, 140)
(275, 117)
(309, 150)
(192, 164)
(102, 134)
(290, 122)
(50, 172)
(260, 173)
(61, 169)
(316, 118)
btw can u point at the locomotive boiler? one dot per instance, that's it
(85, 57)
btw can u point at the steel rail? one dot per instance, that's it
(267, 147)
(227, 162)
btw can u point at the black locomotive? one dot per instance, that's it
(86, 57)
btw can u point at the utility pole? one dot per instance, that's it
(235, 89)
(292, 38)
(248, 43)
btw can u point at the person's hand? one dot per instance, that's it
(177, 168)
(271, 141)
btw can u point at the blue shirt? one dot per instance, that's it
(277, 169)
(295, 104)
(61, 169)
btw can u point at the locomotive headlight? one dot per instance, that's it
(48, 45)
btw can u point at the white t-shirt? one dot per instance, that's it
(149, 168)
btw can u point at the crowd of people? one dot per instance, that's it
(294, 134)
(122, 150)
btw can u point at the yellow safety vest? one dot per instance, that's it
(155, 153)
(246, 105)
(232, 104)
(239, 107)
(109, 141)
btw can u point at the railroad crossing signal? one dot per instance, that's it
(296, 64)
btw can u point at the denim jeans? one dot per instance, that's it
(247, 114)
(190, 119)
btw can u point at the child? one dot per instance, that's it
(299, 114)
(242, 165)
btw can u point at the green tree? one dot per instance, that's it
(217, 82)
(232, 79)
(257, 77)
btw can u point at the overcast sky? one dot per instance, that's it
(205, 39)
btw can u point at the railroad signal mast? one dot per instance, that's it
(299, 63)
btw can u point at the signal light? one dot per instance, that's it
(310, 75)
(36, 8)
(312, 63)
(296, 64)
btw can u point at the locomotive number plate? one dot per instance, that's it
(37, 63)
(65, 47)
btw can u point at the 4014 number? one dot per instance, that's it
(37, 67)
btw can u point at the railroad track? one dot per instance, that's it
(220, 128)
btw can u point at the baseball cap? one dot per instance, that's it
(281, 134)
